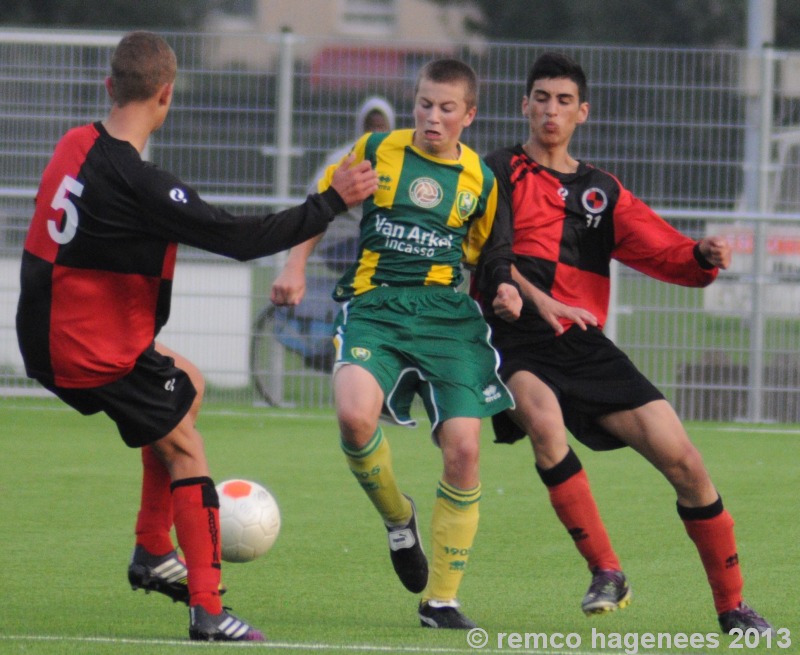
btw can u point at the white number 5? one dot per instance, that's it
(61, 201)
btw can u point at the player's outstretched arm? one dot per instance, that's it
(354, 182)
(290, 285)
(550, 309)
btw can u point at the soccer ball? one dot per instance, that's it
(249, 520)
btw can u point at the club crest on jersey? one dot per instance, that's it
(178, 195)
(361, 354)
(594, 200)
(465, 204)
(425, 192)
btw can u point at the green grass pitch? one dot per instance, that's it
(69, 494)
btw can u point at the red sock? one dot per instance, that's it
(574, 504)
(197, 527)
(154, 521)
(716, 544)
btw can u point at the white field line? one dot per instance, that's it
(286, 646)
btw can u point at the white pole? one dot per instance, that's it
(282, 187)
(760, 36)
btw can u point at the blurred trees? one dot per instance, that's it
(108, 14)
(699, 23)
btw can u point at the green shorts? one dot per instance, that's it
(429, 341)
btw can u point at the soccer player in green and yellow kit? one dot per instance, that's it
(405, 328)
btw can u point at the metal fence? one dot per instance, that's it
(710, 138)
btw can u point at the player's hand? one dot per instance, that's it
(507, 304)
(716, 250)
(289, 287)
(553, 311)
(354, 182)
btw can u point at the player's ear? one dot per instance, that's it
(165, 94)
(470, 116)
(583, 113)
(109, 87)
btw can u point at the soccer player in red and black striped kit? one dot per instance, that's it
(96, 278)
(563, 221)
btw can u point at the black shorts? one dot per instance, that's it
(146, 404)
(589, 375)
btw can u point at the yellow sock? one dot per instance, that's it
(454, 524)
(372, 467)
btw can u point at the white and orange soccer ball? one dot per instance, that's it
(250, 520)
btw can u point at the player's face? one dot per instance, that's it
(554, 111)
(440, 115)
(376, 122)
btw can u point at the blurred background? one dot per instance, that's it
(705, 23)
(695, 106)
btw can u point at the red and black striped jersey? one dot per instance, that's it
(564, 229)
(99, 258)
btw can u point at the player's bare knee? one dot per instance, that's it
(165, 450)
(468, 450)
(461, 459)
(549, 443)
(183, 452)
(356, 428)
(686, 470)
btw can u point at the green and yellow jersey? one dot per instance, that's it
(427, 216)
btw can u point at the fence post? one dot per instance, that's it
(757, 319)
(283, 161)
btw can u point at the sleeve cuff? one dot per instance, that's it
(701, 260)
(334, 201)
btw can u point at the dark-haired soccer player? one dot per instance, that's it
(96, 279)
(405, 328)
(564, 221)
